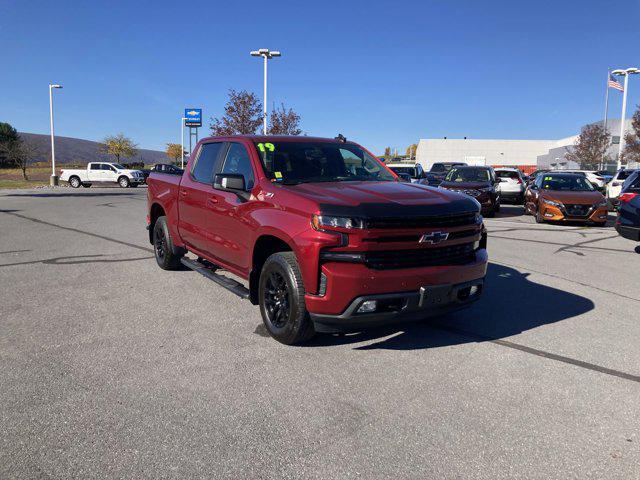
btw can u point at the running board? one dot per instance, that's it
(226, 282)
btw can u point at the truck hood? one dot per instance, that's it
(383, 199)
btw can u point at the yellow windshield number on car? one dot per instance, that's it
(263, 147)
(278, 175)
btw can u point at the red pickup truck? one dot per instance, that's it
(325, 236)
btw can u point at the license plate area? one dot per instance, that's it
(434, 296)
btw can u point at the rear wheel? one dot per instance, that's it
(167, 256)
(281, 297)
(123, 182)
(75, 182)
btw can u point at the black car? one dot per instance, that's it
(478, 182)
(440, 169)
(167, 168)
(628, 221)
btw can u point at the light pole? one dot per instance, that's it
(625, 73)
(182, 120)
(54, 178)
(266, 54)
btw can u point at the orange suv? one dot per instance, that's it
(565, 197)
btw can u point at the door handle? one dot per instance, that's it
(183, 193)
(211, 201)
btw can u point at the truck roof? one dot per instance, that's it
(277, 138)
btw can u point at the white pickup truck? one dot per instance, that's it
(103, 172)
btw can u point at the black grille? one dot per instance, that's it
(577, 210)
(424, 257)
(421, 222)
(416, 237)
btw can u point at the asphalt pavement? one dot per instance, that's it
(113, 368)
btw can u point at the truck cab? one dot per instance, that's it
(323, 234)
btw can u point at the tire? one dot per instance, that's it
(491, 213)
(75, 182)
(124, 182)
(86, 185)
(167, 256)
(281, 298)
(133, 185)
(496, 208)
(539, 218)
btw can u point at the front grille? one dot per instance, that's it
(423, 222)
(577, 210)
(424, 257)
(416, 237)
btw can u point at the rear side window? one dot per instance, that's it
(202, 171)
(507, 174)
(96, 166)
(238, 162)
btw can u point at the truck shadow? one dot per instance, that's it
(511, 304)
(73, 194)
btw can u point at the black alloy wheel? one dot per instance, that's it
(276, 300)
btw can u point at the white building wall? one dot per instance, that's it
(494, 152)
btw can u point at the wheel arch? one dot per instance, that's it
(155, 212)
(265, 245)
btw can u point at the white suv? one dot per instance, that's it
(512, 185)
(615, 185)
(590, 175)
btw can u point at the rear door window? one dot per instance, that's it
(95, 166)
(206, 162)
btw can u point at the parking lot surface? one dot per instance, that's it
(112, 368)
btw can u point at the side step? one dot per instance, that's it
(226, 282)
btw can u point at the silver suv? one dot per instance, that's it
(512, 185)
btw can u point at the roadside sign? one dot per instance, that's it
(193, 117)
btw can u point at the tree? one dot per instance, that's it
(242, 115)
(590, 147)
(411, 150)
(7, 134)
(632, 140)
(284, 122)
(387, 153)
(19, 154)
(174, 151)
(119, 146)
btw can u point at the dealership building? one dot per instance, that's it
(527, 155)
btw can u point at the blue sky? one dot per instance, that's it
(381, 73)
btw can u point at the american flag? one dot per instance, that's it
(613, 83)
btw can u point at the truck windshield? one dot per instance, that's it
(308, 162)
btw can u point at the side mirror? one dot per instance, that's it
(231, 182)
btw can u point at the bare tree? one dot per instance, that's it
(632, 140)
(590, 147)
(19, 154)
(242, 115)
(284, 122)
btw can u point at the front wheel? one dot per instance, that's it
(123, 182)
(281, 297)
(539, 218)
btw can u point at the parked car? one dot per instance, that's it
(325, 235)
(628, 221)
(404, 177)
(440, 169)
(615, 186)
(167, 168)
(590, 175)
(480, 183)
(415, 172)
(512, 185)
(102, 172)
(532, 176)
(606, 174)
(556, 196)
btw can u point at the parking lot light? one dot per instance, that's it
(266, 54)
(54, 178)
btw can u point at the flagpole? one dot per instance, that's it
(606, 109)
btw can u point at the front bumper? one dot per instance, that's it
(401, 307)
(558, 214)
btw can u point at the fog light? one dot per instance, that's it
(473, 290)
(604, 217)
(368, 306)
(548, 214)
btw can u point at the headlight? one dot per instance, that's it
(552, 203)
(321, 222)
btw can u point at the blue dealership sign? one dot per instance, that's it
(193, 117)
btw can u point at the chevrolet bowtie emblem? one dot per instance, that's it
(434, 237)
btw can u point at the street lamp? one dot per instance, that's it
(54, 178)
(625, 73)
(266, 54)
